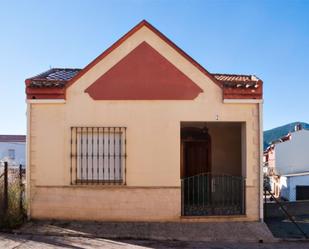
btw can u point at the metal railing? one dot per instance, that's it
(98, 155)
(208, 194)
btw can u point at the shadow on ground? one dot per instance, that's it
(51, 242)
(159, 231)
(284, 228)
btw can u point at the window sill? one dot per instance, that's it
(106, 186)
(99, 182)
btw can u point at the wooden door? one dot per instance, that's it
(196, 158)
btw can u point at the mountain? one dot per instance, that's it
(276, 133)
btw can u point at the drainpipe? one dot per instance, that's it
(261, 161)
(28, 164)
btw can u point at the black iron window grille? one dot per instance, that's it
(98, 155)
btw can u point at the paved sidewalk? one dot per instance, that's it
(11, 241)
(186, 231)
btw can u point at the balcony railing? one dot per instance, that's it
(207, 194)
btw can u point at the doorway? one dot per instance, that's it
(196, 151)
(211, 167)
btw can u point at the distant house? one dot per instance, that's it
(13, 149)
(287, 164)
(295, 187)
(144, 133)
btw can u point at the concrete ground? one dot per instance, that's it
(181, 231)
(284, 228)
(10, 241)
(76, 235)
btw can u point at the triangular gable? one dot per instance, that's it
(143, 74)
(129, 34)
(47, 86)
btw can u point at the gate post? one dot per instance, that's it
(5, 188)
(265, 203)
(20, 189)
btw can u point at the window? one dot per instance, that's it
(98, 155)
(11, 154)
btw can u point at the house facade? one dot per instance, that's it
(144, 133)
(287, 163)
(291, 155)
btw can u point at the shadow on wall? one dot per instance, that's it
(284, 193)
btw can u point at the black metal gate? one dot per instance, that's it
(12, 195)
(208, 194)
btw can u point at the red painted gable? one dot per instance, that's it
(144, 74)
(53, 87)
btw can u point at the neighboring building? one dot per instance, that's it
(292, 154)
(287, 163)
(144, 133)
(276, 133)
(13, 149)
(295, 187)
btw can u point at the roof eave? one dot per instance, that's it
(45, 93)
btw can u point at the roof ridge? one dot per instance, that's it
(251, 77)
(66, 68)
(12, 135)
(45, 72)
(12, 138)
(51, 70)
(233, 74)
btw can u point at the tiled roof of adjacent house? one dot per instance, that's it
(58, 77)
(237, 80)
(12, 138)
(53, 78)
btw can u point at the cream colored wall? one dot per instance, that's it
(47, 144)
(120, 203)
(153, 136)
(226, 148)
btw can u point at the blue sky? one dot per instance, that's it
(267, 38)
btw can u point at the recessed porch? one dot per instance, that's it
(212, 168)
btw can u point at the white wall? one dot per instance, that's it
(284, 187)
(289, 183)
(293, 156)
(20, 152)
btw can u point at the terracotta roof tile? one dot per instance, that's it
(58, 77)
(238, 80)
(53, 78)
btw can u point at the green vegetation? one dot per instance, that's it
(15, 214)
